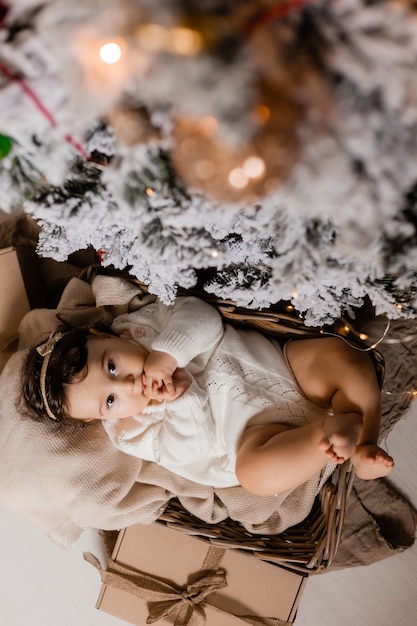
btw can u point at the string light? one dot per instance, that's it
(149, 191)
(184, 41)
(249, 169)
(110, 53)
(152, 37)
(254, 167)
(105, 64)
(177, 40)
(238, 178)
(260, 114)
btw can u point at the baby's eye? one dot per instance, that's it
(111, 366)
(110, 401)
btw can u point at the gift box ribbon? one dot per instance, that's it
(187, 603)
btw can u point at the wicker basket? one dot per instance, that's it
(307, 547)
(311, 545)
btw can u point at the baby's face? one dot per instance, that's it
(112, 388)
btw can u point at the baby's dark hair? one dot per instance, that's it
(68, 362)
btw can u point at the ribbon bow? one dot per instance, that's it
(50, 343)
(186, 604)
(45, 350)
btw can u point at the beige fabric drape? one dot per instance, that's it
(65, 478)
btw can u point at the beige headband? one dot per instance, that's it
(45, 350)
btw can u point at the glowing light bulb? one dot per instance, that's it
(184, 41)
(237, 178)
(149, 191)
(254, 167)
(260, 114)
(153, 37)
(110, 53)
(295, 294)
(363, 336)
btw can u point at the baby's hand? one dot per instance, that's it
(157, 379)
(182, 381)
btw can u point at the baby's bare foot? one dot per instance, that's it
(370, 461)
(341, 436)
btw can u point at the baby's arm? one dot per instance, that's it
(190, 328)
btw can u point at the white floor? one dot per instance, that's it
(42, 585)
(384, 593)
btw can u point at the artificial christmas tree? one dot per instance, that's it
(270, 141)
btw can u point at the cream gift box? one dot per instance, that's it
(153, 568)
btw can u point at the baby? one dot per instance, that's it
(214, 404)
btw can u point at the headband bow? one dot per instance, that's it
(45, 350)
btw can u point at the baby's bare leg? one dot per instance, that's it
(370, 461)
(276, 458)
(341, 435)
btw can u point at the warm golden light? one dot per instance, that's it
(177, 40)
(208, 125)
(110, 53)
(260, 114)
(237, 178)
(149, 191)
(189, 147)
(295, 294)
(105, 63)
(184, 41)
(205, 169)
(254, 167)
(152, 37)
